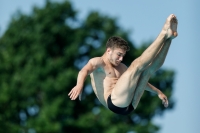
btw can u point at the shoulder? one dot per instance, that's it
(123, 66)
(96, 61)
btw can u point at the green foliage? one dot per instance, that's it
(40, 56)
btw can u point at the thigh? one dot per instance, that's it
(141, 86)
(124, 89)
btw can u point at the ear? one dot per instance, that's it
(108, 50)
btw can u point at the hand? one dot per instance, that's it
(164, 99)
(75, 92)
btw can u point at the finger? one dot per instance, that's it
(73, 95)
(70, 93)
(166, 103)
(163, 101)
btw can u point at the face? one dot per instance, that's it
(116, 56)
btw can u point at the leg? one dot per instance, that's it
(152, 68)
(160, 57)
(168, 32)
(122, 94)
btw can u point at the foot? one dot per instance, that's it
(170, 27)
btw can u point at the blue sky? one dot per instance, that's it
(145, 19)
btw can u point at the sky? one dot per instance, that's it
(145, 19)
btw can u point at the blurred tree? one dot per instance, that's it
(40, 56)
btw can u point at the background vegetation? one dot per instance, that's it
(40, 56)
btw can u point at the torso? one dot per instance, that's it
(104, 78)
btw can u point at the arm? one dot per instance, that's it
(162, 96)
(82, 75)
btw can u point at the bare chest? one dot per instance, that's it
(113, 72)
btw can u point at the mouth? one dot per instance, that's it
(117, 62)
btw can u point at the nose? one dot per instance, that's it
(121, 58)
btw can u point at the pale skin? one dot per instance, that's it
(126, 84)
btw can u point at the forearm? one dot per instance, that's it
(82, 75)
(162, 96)
(152, 89)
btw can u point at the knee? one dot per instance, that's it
(137, 64)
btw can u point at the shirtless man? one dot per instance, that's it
(120, 88)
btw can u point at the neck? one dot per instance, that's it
(105, 58)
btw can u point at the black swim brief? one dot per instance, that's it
(119, 110)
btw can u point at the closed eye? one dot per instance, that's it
(119, 54)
